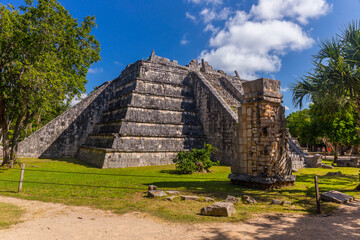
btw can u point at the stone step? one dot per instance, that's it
(110, 158)
(154, 87)
(151, 101)
(149, 129)
(135, 143)
(150, 115)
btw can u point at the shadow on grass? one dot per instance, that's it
(74, 161)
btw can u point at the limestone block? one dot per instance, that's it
(189, 198)
(156, 193)
(335, 196)
(222, 209)
(232, 199)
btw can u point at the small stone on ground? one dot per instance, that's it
(248, 199)
(152, 187)
(335, 196)
(156, 193)
(232, 199)
(208, 199)
(172, 192)
(222, 209)
(189, 198)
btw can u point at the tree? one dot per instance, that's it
(45, 55)
(302, 126)
(334, 81)
(337, 127)
(335, 77)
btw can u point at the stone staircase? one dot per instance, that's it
(150, 118)
(220, 83)
(297, 155)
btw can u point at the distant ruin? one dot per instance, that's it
(156, 108)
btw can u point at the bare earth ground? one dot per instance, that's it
(56, 221)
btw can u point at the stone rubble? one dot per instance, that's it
(232, 199)
(248, 199)
(221, 209)
(336, 196)
(156, 193)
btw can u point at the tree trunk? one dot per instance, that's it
(336, 146)
(6, 144)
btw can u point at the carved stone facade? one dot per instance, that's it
(263, 152)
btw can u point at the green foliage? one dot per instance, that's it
(302, 126)
(312, 125)
(45, 56)
(196, 160)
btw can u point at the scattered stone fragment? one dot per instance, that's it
(222, 209)
(232, 199)
(189, 198)
(171, 198)
(335, 196)
(152, 187)
(294, 170)
(156, 193)
(326, 166)
(248, 199)
(172, 192)
(287, 203)
(276, 201)
(208, 199)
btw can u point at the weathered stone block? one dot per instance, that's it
(221, 209)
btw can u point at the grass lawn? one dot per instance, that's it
(123, 190)
(9, 214)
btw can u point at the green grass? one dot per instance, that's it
(9, 215)
(124, 190)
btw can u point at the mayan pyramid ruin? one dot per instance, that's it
(156, 108)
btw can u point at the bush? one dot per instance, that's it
(196, 160)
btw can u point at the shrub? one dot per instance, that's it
(195, 160)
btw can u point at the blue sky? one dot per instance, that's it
(262, 38)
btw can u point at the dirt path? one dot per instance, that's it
(55, 221)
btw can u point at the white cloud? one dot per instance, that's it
(211, 28)
(117, 63)
(210, 15)
(214, 2)
(284, 89)
(301, 10)
(76, 100)
(184, 40)
(250, 46)
(286, 108)
(189, 16)
(95, 70)
(255, 41)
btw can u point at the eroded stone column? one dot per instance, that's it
(263, 153)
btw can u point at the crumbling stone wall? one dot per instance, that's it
(63, 136)
(262, 157)
(218, 120)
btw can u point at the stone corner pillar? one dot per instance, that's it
(262, 159)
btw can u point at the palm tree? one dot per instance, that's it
(334, 80)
